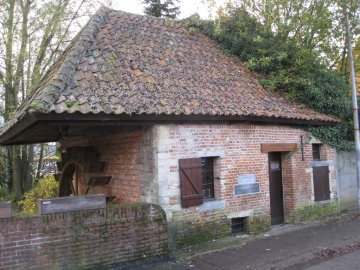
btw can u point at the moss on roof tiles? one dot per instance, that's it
(122, 58)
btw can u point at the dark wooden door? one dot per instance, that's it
(276, 189)
(321, 183)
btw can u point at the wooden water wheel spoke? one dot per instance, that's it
(67, 173)
(77, 180)
(73, 188)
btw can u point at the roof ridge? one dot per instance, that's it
(46, 98)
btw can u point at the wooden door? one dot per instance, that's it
(321, 183)
(276, 189)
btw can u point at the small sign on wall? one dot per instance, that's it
(247, 184)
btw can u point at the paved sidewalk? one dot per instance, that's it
(292, 250)
(334, 244)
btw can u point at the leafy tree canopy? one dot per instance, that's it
(286, 65)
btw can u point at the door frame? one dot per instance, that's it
(276, 175)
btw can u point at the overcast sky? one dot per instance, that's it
(188, 7)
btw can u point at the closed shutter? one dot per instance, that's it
(321, 183)
(190, 182)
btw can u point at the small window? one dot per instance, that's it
(196, 180)
(238, 225)
(316, 150)
(207, 170)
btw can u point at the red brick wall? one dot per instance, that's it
(144, 165)
(241, 146)
(289, 190)
(122, 151)
(96, 239)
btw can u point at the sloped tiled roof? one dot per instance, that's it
(122, 63)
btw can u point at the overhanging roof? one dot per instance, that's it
(37, 127)
(132, 69)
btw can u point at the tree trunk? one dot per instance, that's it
(17, 172)
(27, 160)
(10, 96)
(8, 171)
(40, 162)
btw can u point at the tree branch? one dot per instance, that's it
(24, 40)
(2, 78)
(75, 16)
(49, 33)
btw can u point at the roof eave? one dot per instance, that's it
(19, 127)
(154, 118)
(23, 131)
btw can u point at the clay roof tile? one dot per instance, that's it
(148, 65)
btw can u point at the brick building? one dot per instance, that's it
(148, 110)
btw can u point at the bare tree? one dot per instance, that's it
(33, 33)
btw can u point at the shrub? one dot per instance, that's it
(46, 187)
(5, 194)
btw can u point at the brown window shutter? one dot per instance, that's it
(321, 183)
(190, 182)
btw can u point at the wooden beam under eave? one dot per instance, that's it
(278, 147)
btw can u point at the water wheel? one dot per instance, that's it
(81, 169)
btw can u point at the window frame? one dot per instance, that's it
(316, 151)
(207, 173)
(192, 174)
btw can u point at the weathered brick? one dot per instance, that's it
(144, 165)
(50, 246)
(239, 149)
